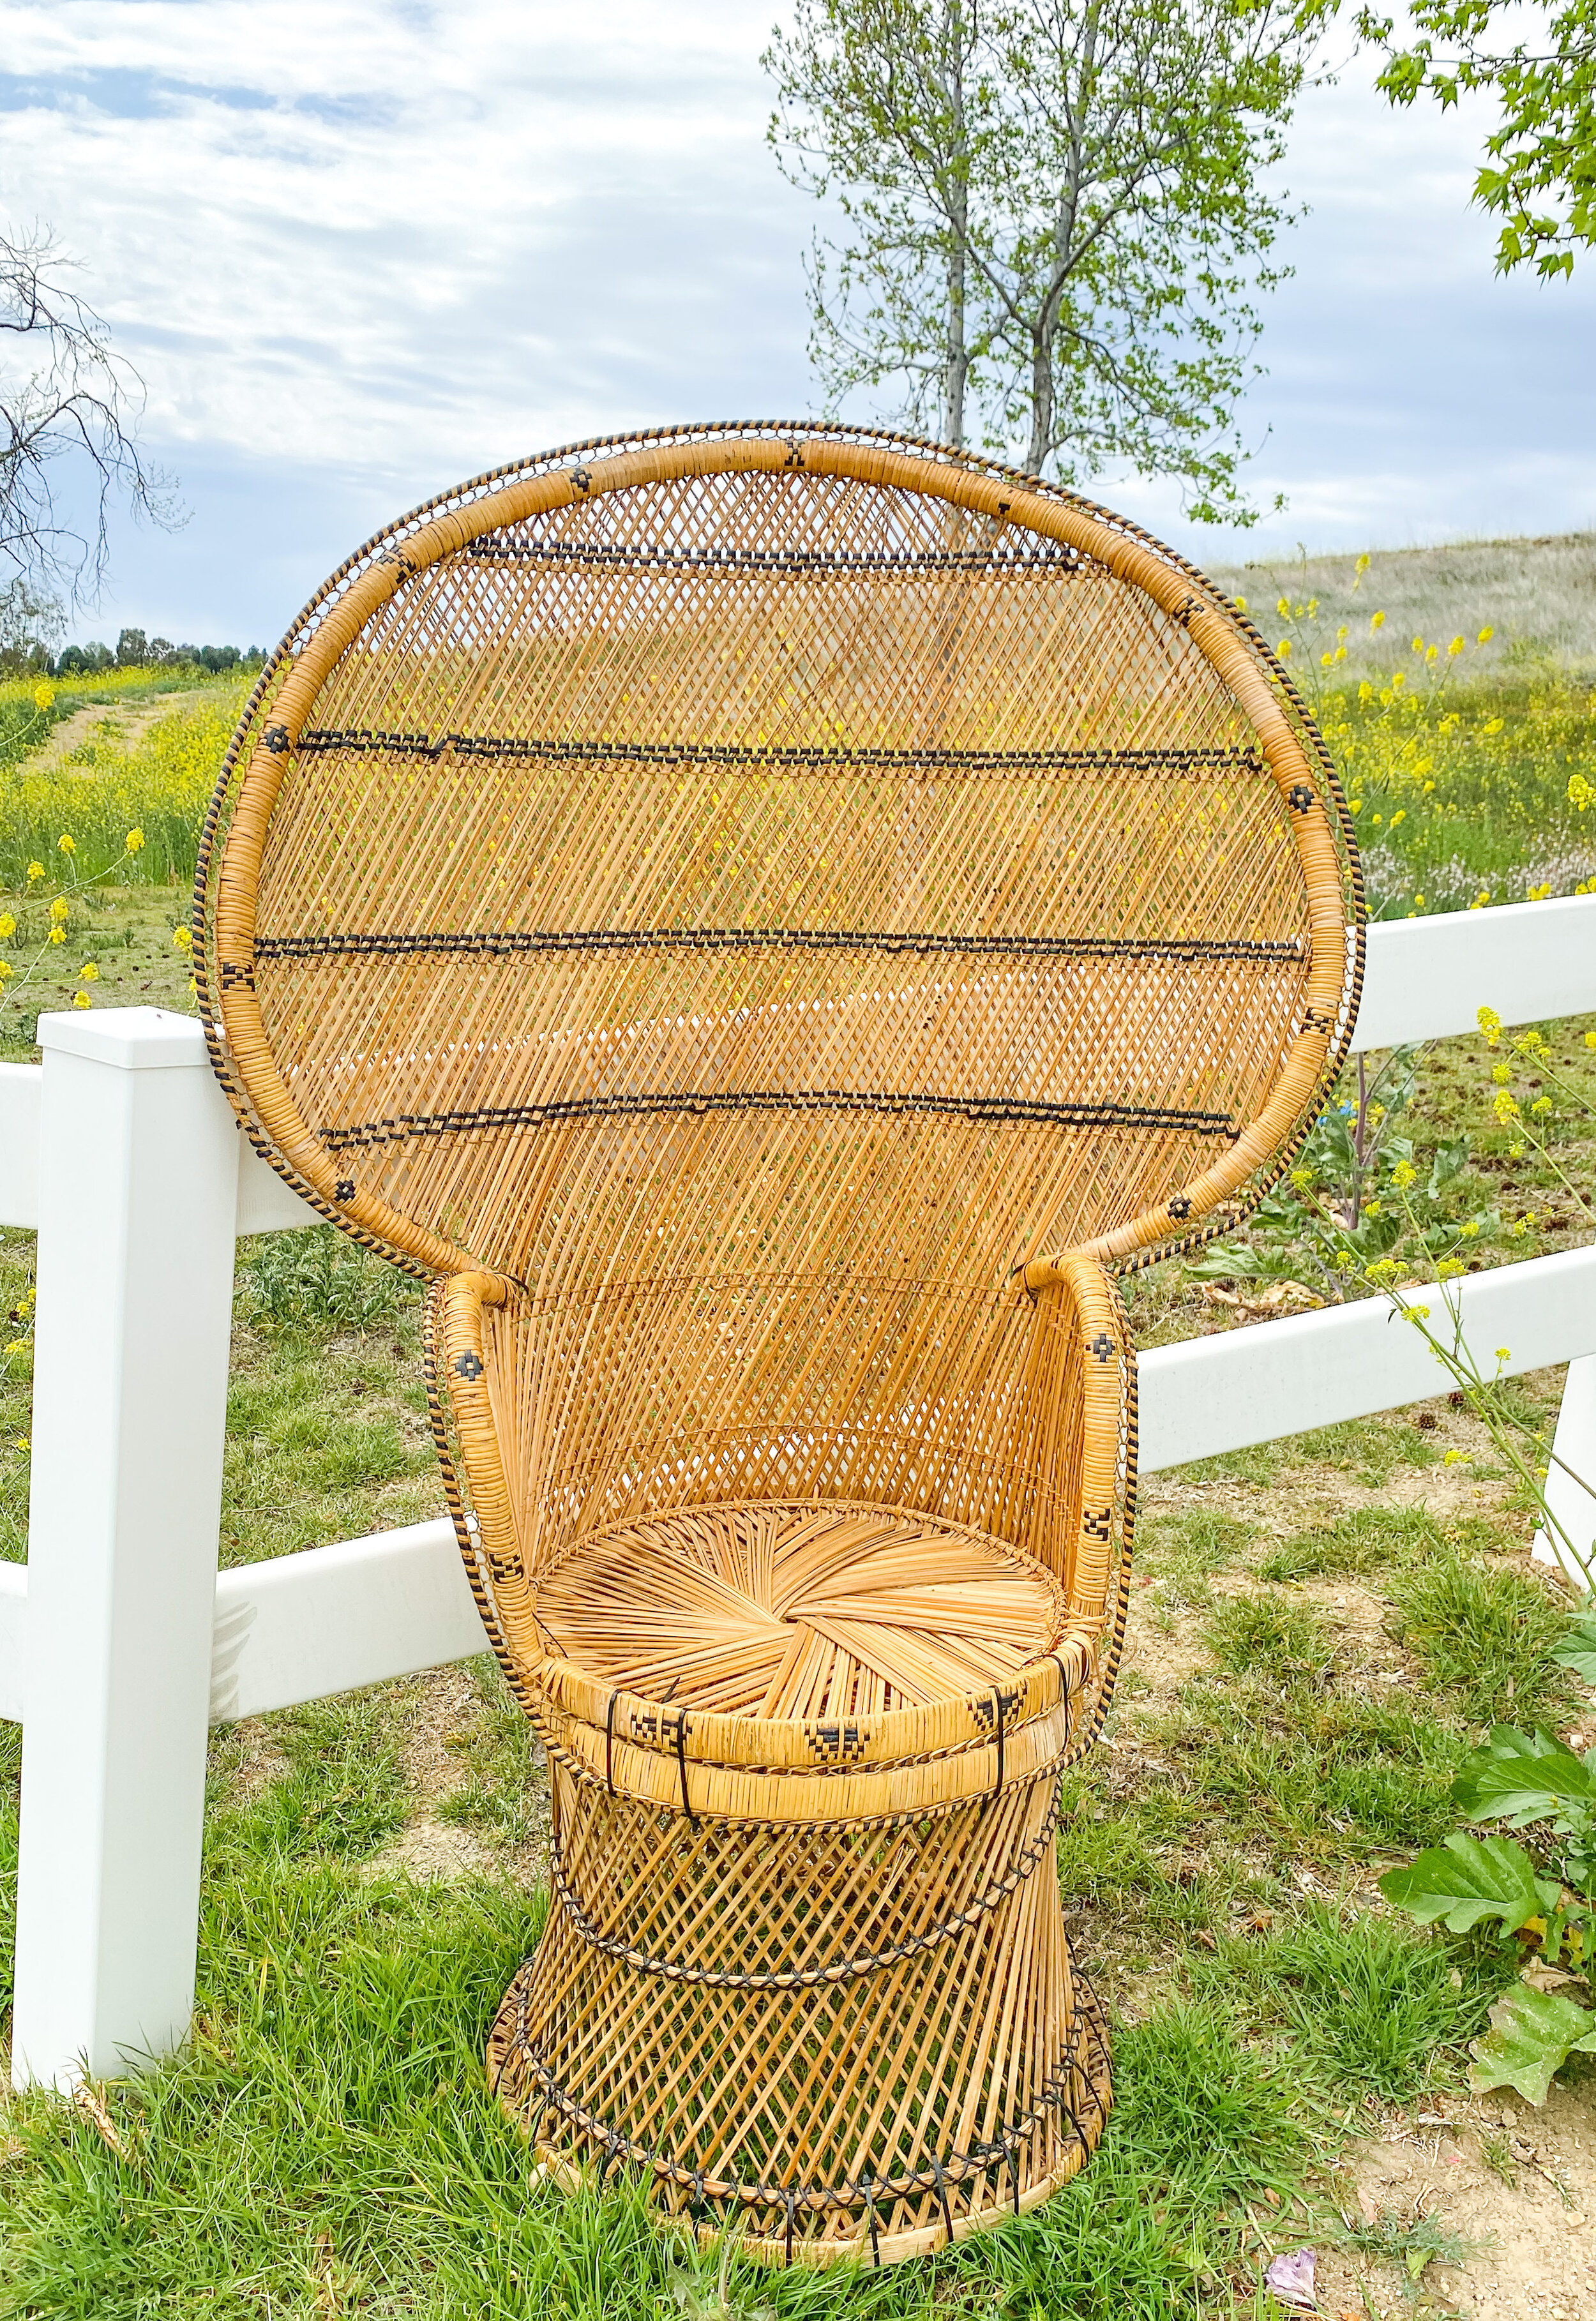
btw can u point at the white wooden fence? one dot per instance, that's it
(121, 1643)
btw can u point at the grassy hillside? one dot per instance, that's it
(1537, 595)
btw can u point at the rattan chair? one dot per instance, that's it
(771, 921)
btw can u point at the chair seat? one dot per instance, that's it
(766, 1609)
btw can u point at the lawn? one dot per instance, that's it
(1320, 1630)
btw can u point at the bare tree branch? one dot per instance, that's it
(69, 402)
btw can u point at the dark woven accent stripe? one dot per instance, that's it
(975, 1108)
(1009, 553)
(984, 2157)
(497, 943)
(842, 1969)
(317, 740)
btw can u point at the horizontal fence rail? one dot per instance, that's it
(121, 1643)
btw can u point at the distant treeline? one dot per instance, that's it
(134, 650)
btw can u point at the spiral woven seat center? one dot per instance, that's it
(804, 1609)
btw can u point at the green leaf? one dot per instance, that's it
(1578, 1650)
(1517, 1778)
(1531, 2033)
(1468, 1878)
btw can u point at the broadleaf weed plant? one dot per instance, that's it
(1534, 1899)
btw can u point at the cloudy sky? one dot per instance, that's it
(361, 249)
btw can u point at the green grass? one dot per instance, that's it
(1267, 1636)
(1484, 1637)
(1365, 1541)
(1365, 2004)
(327, 2145)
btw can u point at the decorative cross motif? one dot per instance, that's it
(1300, 797)
(467, 1366)
(277, 740)
(1102, 1346)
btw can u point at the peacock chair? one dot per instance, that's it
(769, 920)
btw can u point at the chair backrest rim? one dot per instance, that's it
(263, 745)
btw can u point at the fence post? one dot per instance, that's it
(1572, 1504)
(137, 1205)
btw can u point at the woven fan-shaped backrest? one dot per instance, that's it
(786, 859)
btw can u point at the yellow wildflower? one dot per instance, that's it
(1284, 648)
(1400, 816)
(1489, 1023)
(1448, 1267)
(1471, 1229)
(1418, 902)
(58, 934)
(88, 972)
(81, 999)
(1365, 692)
(182, 940)
(1284, 608)
(44, 695)
(1240, 603)
(1362, 567)
(1539, 894)
(66, 843)
(1501, 1074)
(1455, 1459)
(1454, 648)
(7, 926)
(1580, 793)
(1504, 1354)
(1505, 1106)
(35, 871)
(1376, 621)
(1418, 645)
(1416, 1314)
(1485, 636)
(59, 908)
(1404, 1174)
(1540, 1107)
(4, 969)
(135, 842)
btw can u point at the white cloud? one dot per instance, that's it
(361, 249)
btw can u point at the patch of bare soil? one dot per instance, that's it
(443, 1714)
(1515, 2186)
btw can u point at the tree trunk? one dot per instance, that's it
(955, 375)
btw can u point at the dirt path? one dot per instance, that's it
(119, 724)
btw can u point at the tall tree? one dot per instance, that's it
(1539, 175)
(1055, 216)
(65, 396)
